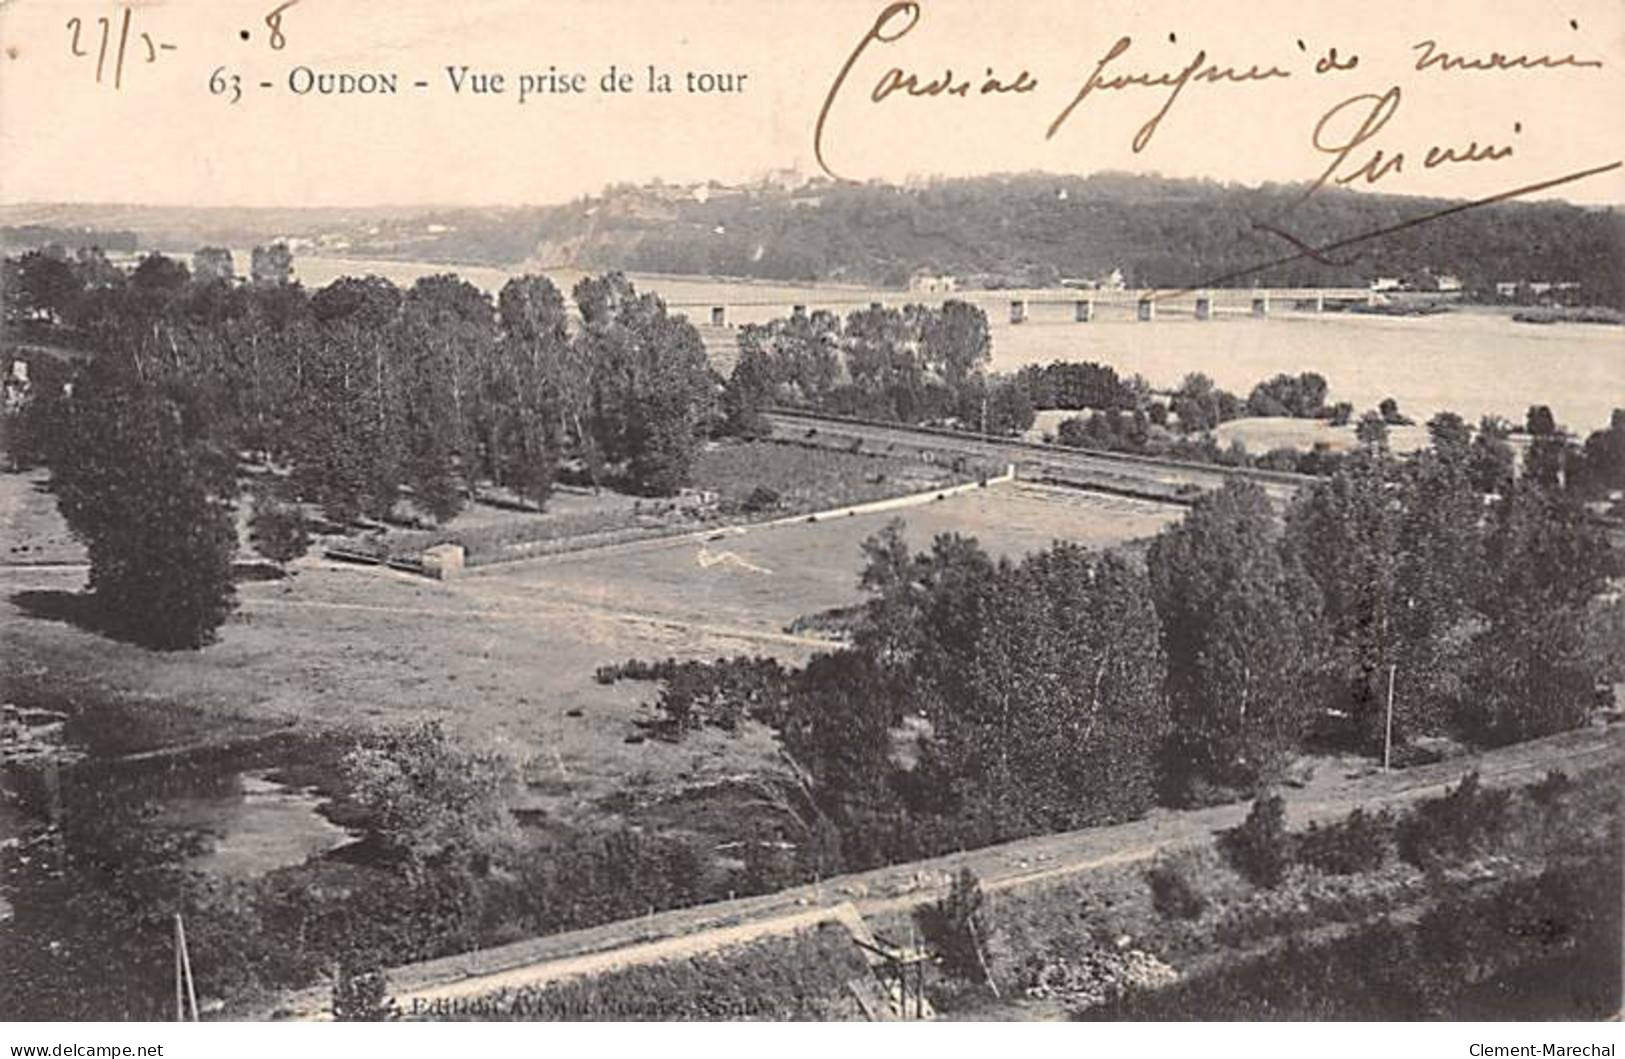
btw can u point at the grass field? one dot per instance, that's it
(727, 476)
(506, 655)
(809, 478)
(763, 579)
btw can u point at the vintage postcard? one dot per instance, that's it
(812, 510)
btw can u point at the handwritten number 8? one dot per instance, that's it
(274, 22)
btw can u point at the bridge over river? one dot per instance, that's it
(1022, 306)
(718, 321)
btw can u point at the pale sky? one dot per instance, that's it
(163, 138)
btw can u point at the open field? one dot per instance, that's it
(733, 481)
(341, 648)
(763, 579)
(504, 656)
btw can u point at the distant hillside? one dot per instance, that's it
(18, 237)
(1029, 230)
(1038, 229)
(185, 228)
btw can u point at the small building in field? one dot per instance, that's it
(443, 562)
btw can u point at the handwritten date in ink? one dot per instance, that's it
(87, 40)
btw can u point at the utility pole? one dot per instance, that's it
(185, 989)
(1388, 728)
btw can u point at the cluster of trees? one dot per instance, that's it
(1039, 680)
(1127, 417)
(1588, 471)
(1076, 385)
(363, 387)
(356, 395)
(1124, 416)
(1107, 431)
(1198, 404)
(911, 365)
(1073, 688)
(1301, 396)
(1477, 614)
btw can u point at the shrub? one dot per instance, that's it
(1357, 844)
(722, 694)
(1173, 893)
(955, 928)
(1454, 826)
(423, 797)
(1552, 787)
(361, 996)
(278, 529)
(1259, 848)
(760, 499)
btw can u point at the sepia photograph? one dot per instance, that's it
(785, 511)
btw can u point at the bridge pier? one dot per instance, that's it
(1204, 306)
(1320, 301)
(1018, 311)
(1146, 310)
(1261, 304)
(1083, 310)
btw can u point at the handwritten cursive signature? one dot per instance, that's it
(1375, 111)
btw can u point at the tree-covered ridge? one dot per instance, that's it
(1012, 229)
(1034, 229)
